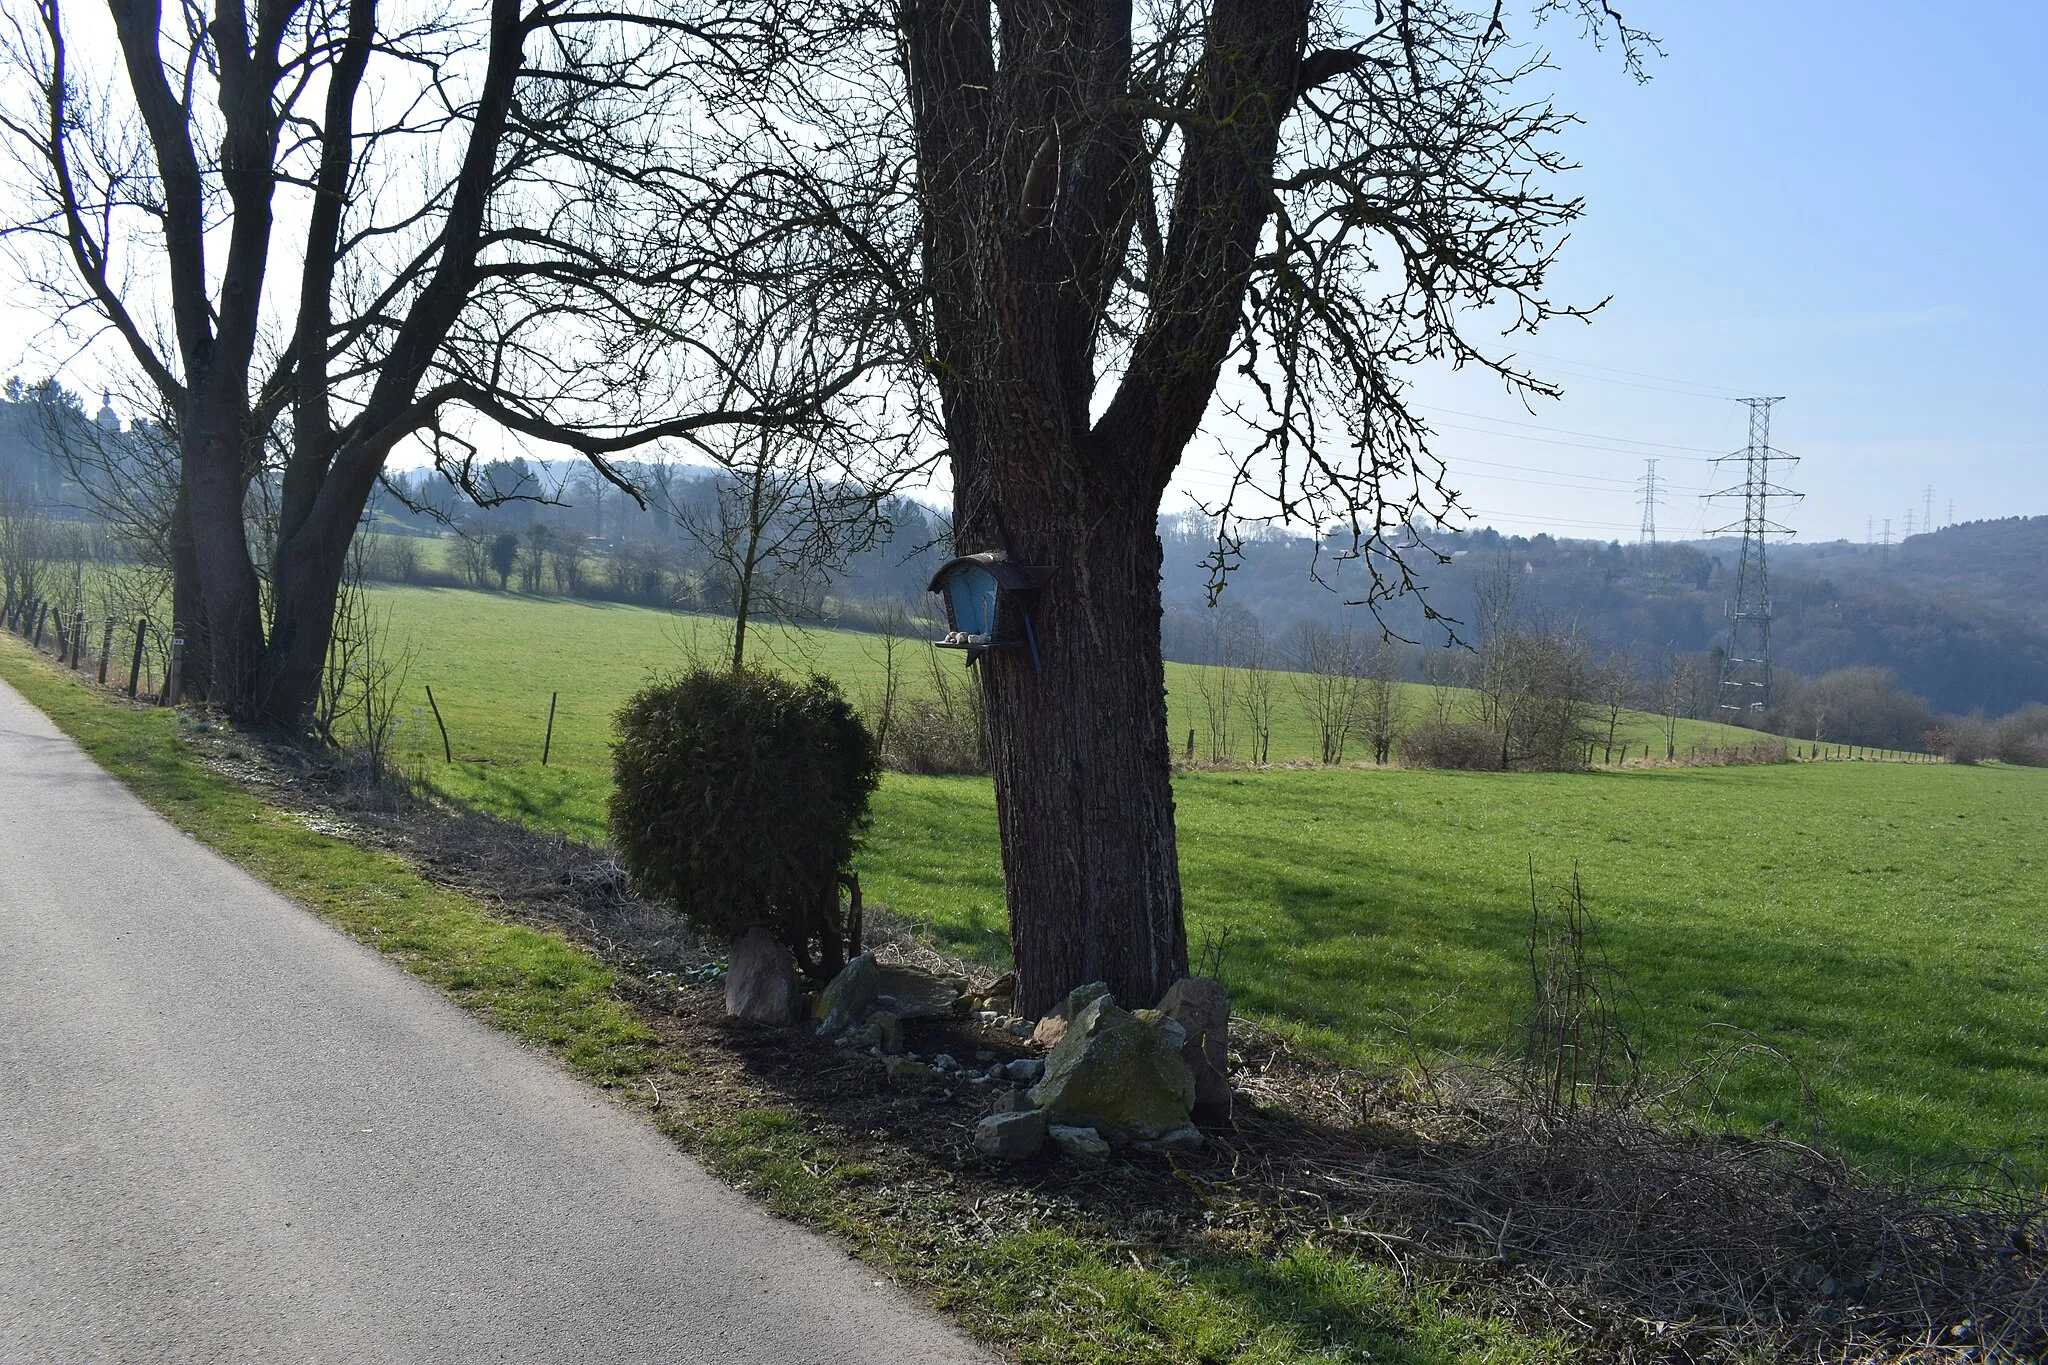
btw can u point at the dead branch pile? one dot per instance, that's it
(1707, 1244)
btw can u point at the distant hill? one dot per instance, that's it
(1961, 616)
(2000, 563)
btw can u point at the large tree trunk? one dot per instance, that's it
(1078, 746)
(217, 600)
(305, 585)
(304, 589)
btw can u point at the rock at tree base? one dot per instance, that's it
(1201, 1005)
(1186, 1138)
(1053, 1027)
(845, 1002)
(1011, 1102)
(888, 1030)
(760, 979)
(883, 1031)
(907, 1069)
(1079, 1144)
(1015, 1136)
(1119, 1073)
(864, 986)
(1002, 996)
(911, 994)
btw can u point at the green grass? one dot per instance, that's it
(1058, 1290)
(1885, 926)
(494, 659)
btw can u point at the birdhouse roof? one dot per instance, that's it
(1017, 577)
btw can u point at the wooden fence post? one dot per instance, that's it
(106, 648)
(548, 743)
(77, 637)
(447, 753)
(135, 664)
(42, 612)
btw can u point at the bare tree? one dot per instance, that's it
(1329, 684)
(472, 552)
(533, 556)
(1615, 690)
(1255, 688)
(1216, 685)
(565, 562)
(1380, 712)
(1541, 706)
(479, 207)
(22, 544)
(884, 696)
(362, 683)
(1496, 593)
(1080, 214)
(782, 520)
(1676, 685)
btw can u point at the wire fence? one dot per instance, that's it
(138, 656)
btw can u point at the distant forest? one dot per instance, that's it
(1958, 617)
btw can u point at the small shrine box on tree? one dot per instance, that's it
(988, 603)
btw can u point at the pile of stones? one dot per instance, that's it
(1111, 1078)
(1120, 1078)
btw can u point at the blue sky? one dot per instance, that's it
(1840, 203)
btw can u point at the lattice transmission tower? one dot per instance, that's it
(1746, 672)
(1647, 487)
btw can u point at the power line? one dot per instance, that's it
(1576, 445)
(1746, 671)
(1691, 388)
(1566, 431)
(1538, 469)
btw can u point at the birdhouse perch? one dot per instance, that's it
(988, 603)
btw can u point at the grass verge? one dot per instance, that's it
(1019, 1267)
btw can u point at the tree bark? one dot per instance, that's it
(221, 608)
(1078, 746)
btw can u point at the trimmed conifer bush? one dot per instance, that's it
(739, 799)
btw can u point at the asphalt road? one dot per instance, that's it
(229, 1133)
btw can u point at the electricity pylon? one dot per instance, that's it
(1648, 487)
(1746, 671)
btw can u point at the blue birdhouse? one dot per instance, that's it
(988, 603)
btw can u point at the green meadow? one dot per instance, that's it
(1877, 933)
